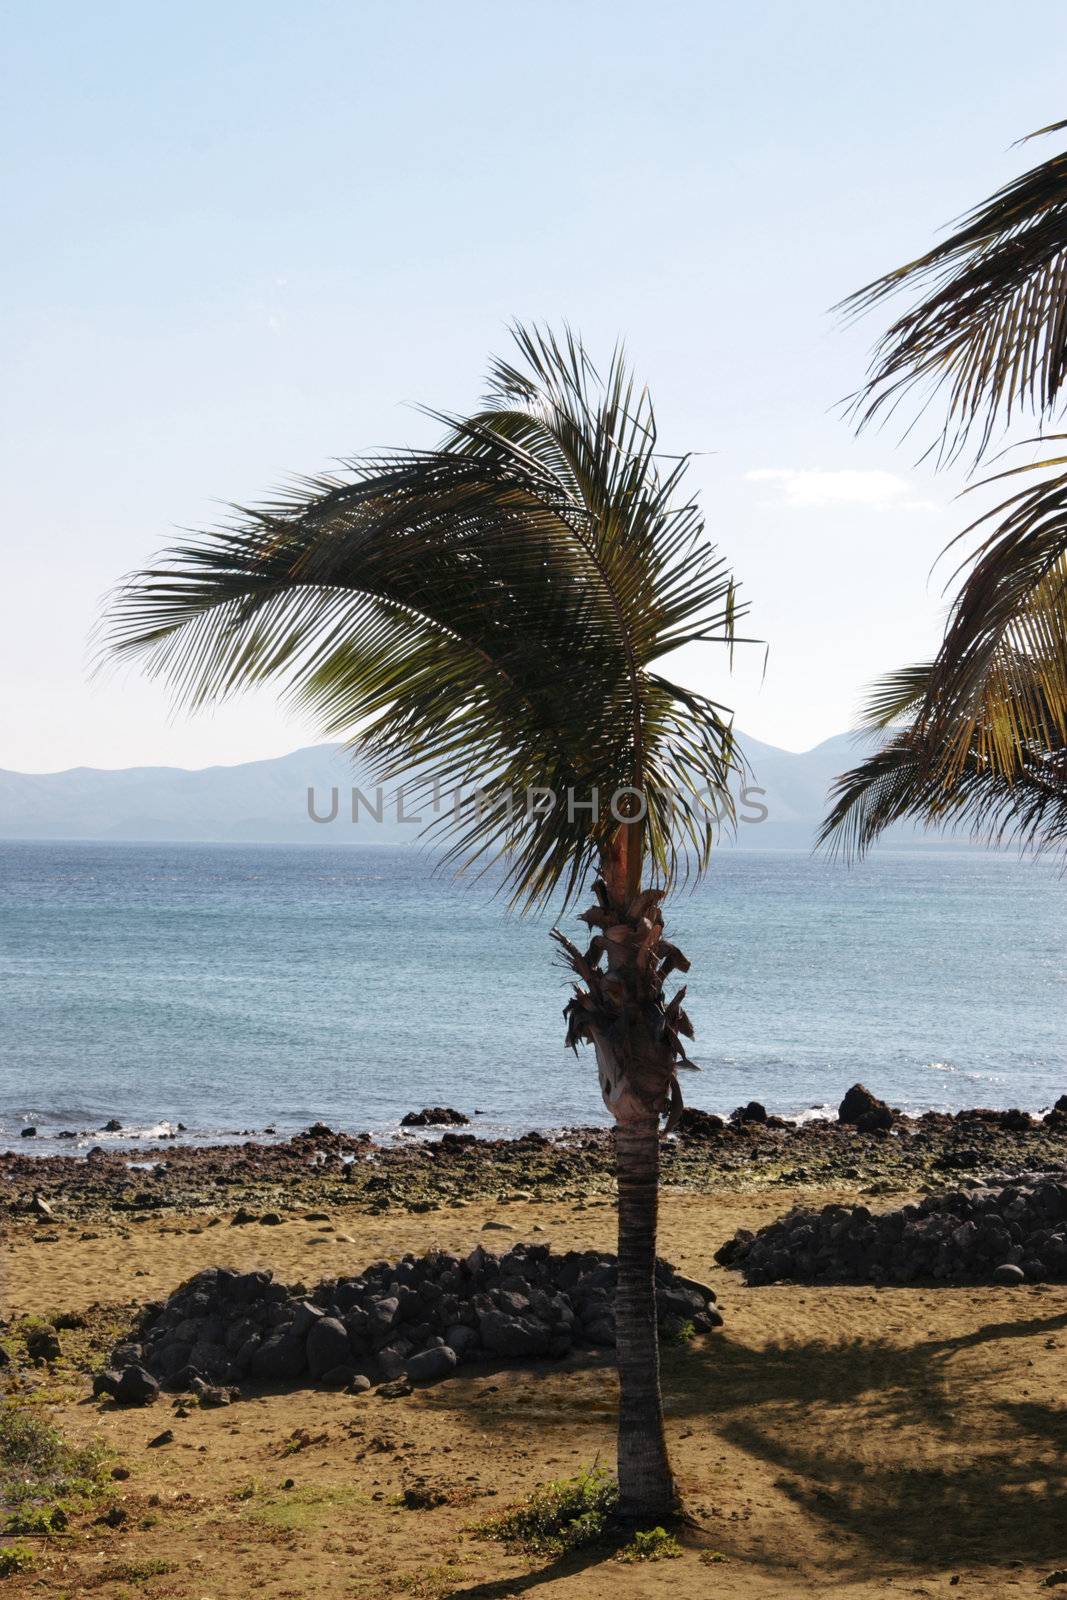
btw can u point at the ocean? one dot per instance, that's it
(235, 988)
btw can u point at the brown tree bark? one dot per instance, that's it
(619, 1008)
(646, 1484)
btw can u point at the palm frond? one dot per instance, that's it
(989, 334)
(486, 613)
(1000, 675)
(903, 781)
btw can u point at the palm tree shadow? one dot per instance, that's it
(567, 1566)
(811, 1409)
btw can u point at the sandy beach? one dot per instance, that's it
(838, 1440)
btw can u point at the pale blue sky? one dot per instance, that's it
(242, 237)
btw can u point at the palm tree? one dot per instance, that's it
(493, 612)
(985, 723)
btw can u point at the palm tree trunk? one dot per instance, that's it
(646, 1484)
(619, 1007)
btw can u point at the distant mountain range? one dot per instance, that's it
(267, 801)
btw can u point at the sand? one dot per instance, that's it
(830, 1441)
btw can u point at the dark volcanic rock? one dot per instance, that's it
(328, 1169)
(136, 1387)
(413, 1319)
(863, 1110)
(437, 1362)
(1010, 1231)
(434, 1117)
(513, 1336)
(327, 1346)
(753, 1112)
(283, 1355)
(696, 1124)
(42, 1343)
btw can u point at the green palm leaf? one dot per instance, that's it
(903, 782)
(989, 335)
(488, 612)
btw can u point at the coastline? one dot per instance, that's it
(424, 1172)
(826, 1437)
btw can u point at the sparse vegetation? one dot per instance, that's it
(301, 1439)
(37, 1520)
(566, 1514)
(681, 1332)
(431, 1583)
(653, 1544)
(296, 1510)
(132, 1571)
(16, 1558)
(42, 1477)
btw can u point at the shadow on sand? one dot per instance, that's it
(903, 1458)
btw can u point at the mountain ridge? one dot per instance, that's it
(266, 800)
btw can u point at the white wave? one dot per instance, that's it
(823, 1113)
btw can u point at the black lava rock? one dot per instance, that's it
(136, 1387)
(42, 1343)
(753, 1112)
(437, 1362)
(413, 1319)
(327, 1346)
(1011, 1230)
(864, 1111)
(696, 1124)
(434, 1117)
(283, 1355)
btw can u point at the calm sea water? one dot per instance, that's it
(235, 987)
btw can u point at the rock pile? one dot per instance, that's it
(417, 1319)
(1013, 1230)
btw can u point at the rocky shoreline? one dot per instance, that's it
(869, 1148)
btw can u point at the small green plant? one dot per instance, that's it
(655, 1544)
(15, 1558)
(567, 1514)
(37, 1520)
(713, 1558)
(678, 1332)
